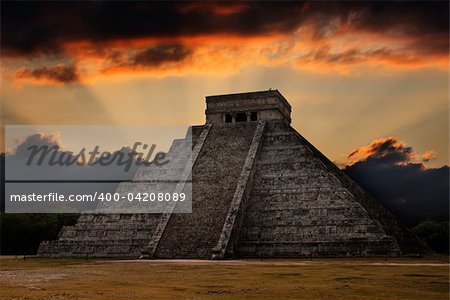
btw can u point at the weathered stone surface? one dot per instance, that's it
(290, 201)
(118, 235)
(298, 208)
(215, 176)
(157, 234)
(236, 210)
(103, 235)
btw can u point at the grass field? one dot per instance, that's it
(35, 278)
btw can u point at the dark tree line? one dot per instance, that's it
(22, 233)
(435, 234)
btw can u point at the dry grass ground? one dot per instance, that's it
(250, 279)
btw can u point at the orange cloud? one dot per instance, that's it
(429, 155)
(382, 148)
(388, 150)
(340, 48)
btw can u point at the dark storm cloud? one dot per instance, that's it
(414, 17)
(58, 74)
(148, 58)
(157, 55)
(387, 151)
(28, 160)
(407, 188)
(41, 27)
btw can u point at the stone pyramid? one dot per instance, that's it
(260, 189)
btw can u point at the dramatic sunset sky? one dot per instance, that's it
(356, 74)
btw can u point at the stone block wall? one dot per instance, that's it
(296, 203)
(102, 235)
(409, 243)
(118, 235)
(215, 177)
(298, 208)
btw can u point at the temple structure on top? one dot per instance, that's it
(260, 189)
(247, 107)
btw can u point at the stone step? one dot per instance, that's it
(295, 199)
(117, 235)
(215, 176)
